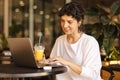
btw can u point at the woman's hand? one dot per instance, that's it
(60, 60)
(74, 67)
(57, 60)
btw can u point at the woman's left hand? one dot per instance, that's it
(60, 60)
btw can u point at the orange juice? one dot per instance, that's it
(39, 55)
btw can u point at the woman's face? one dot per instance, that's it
(69, 24)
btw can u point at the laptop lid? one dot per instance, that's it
(22, 52)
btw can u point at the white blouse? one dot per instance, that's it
(85, 52)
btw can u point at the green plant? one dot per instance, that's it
(3, 43)
(114, 54)
(109, 22)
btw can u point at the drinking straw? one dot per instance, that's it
(40, 36)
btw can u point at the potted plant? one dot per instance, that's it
(3, 43)
(109, 18)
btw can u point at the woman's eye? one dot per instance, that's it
(70, 22)
(62, 20)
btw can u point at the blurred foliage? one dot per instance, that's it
(3, 43)
(93, 11)
(114, 54)
(103, 31)
(104, 19)
(115, 8)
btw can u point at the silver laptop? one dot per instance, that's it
(22, 53)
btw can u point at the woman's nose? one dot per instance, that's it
(65, 24)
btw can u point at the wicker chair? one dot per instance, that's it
(108, 70)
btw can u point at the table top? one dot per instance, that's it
(12, 71)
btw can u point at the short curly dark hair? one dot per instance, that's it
(73, 9)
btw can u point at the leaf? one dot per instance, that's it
(115, 8)
(92, 11)
(104, 19)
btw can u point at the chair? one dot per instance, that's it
(109, 70)
(5, 58)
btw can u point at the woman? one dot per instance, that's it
(75, 49)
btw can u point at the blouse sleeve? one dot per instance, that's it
(92, 61)
(54, 49)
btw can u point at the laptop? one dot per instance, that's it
(23, 55)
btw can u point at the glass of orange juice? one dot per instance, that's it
(39, 52)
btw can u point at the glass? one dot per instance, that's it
(39, 52)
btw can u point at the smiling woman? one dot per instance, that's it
(75, 49)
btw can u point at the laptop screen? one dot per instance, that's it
(22, 52)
